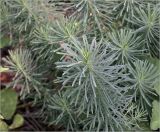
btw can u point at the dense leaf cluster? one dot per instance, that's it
(86, 63)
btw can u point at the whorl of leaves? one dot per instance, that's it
(144, 77)
(94, 47)
(92, 86)
(25, 69)
(126, 45)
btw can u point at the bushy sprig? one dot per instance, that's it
(148, 25)
(94, 83)
(92, 12)
(126, 45)
(144, 77)
(26, 76)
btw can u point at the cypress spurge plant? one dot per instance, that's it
(86, 65)
(148, 22)
(92, 12)
(21, 63)
(95, 89)
(125, 45)
(144, 78)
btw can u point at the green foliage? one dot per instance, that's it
(156, 62)
(126, 8)
(51, 36)
(92, 86)
(148, 24)
(92, 11)
(64, 111)
(155, 120)
(22, 64)
(58, 31)
(144, 76)
(125, 45)
(8, 103)
(22, 15)
(88, 65)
